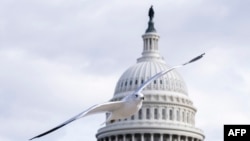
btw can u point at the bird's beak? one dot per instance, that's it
(142, 98)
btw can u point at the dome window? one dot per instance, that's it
(132, 117)
(140, 114)
(163, 113)
(156, 113)
(160, 81)
(130, 83)
(170, 114)
(136, 82)
(148, 113)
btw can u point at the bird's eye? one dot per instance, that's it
(136, 95)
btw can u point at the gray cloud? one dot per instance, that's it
(55, 53)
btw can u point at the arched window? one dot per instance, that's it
(154, 81)
(160, 81)
(120, 137)
(147, 137)
(142, 81)
(137, 137)
(163, 113)
(130, 83)
(132, 117)
(140, 114)
(148, 113)
(171, 114)
(156, 113)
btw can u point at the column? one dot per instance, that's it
(143, 110)
(109, 138)
(161, 137)
(152, 110)
(157, 44)
(124, 137)
(136, 116)
(178, 137)
(170, 137)
(142, 137)
(144, 44)
(152, 137)
(153, 43)
(133, 137)
(159, 113)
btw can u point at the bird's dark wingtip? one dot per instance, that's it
(32, 138)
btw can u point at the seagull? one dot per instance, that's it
(124, 108)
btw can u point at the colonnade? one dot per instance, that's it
(149, 112)
(151, 44)
(148, 137)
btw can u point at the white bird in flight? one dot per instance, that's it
(124, 108)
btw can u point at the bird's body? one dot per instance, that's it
(124, 108)
(127, 107)
(131, 107)
(131, 104)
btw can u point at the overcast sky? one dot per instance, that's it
(58, 57)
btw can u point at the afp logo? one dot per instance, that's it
(237, 132)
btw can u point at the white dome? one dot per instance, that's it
(134, 76)
(167, 113)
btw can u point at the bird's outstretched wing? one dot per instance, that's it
(139, 89)
(105, 107)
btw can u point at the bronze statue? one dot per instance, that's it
(150, 22)
(151, 13)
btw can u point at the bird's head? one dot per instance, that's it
(138, 96)
(134, 97)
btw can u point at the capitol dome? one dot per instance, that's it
(134, 76)
(167, 112)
